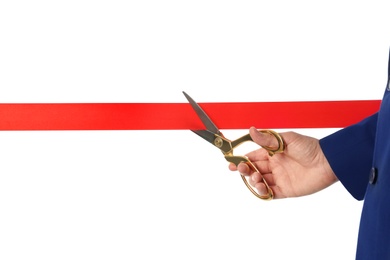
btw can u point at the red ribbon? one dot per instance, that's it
(176, 116)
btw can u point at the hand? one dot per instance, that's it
(302, 168)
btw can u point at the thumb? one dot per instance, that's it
(263, 138)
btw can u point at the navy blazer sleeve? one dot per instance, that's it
(350, 152)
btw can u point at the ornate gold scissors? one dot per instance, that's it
(216, 138)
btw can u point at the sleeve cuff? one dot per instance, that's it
(350, 152)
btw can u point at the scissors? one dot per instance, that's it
(216, 138)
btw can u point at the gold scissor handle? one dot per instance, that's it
(270, 193)
(239, 159)
(271, 151)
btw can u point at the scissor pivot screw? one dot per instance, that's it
(218, 142)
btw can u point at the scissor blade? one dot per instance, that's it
(203, 116)
(206, 135)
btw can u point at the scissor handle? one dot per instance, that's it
(271, 150)
(239, 159)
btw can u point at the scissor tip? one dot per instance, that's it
(186, 95)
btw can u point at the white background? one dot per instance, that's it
(169, 194)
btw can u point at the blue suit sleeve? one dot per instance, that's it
(350, 153)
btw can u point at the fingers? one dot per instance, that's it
(232, 167)
(254, 178)
(261, 161)
(243, 168)
(261, 188)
